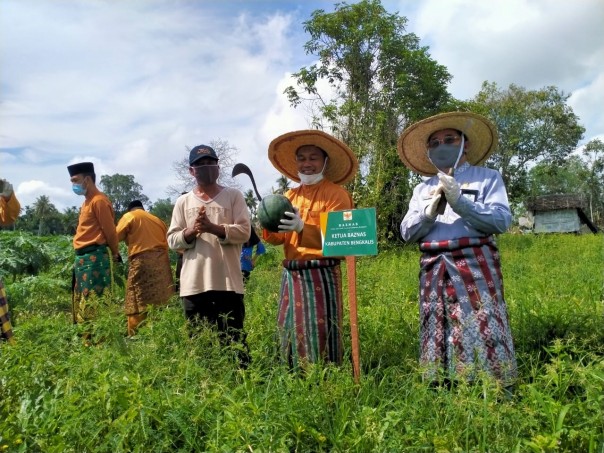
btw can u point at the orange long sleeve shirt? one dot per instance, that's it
(9, 210)
(311, 201)
(96, 223)
(142, 231)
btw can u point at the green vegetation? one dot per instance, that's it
(165, 391)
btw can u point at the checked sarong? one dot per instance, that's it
(149, 281)
(6, 329)
(310, 311)
(464, 324)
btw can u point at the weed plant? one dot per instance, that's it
(172, 390)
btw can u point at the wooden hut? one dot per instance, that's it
(559, 214)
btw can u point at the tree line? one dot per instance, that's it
(380, 80)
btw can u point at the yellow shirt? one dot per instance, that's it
(142, 231)
(9, 210)
(311, 201)
(96, 223)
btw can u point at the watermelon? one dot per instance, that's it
(271, 210)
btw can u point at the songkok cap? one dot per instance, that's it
(412, 144)
(135, 204)
(341, 166)
(201, 151)
(78, 169)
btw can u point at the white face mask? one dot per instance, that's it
(309, 180)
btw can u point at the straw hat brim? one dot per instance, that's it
(341, 166)
(412, 144)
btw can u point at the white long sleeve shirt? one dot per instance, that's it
(209, 263)
(482, 209)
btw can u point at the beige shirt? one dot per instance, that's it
(209, 263)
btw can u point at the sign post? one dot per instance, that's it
(350, 233)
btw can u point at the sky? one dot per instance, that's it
(131, 85)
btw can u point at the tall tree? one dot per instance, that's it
(226, 159)
(121, 190)
(69, 220)
(282, 184)
(594, 156)
(162, 208)
(380, 80)
(44, 212)
(533, 126)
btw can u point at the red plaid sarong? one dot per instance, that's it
(464, 324)
(310, 311)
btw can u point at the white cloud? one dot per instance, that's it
(130, 85)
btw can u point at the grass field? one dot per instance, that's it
(164, 391)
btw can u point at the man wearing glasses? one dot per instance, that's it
(453, 215)
(210, 223)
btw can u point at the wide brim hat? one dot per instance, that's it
(412, 145)
(341, 166)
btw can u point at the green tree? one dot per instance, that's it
(163, 208)
(548, 179)
(121, 190)
(44, 213)
(594, 156)
(70, 219)
(282, 185)
(380, 80)
(252, 203)
(533, 126)
(226, 159)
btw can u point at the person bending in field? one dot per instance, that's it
(248, 255)
(209, 224)
(454, 214)
(95, 242)
(9, 210)
(149, 272)
(310, 310)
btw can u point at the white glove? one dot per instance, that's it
(7, 189)
(291, 222)
(431, 207)
(450, 187)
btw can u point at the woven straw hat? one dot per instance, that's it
(341, 166)
(412, 144)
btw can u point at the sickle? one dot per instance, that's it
(242, 168)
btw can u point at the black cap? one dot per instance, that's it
(78, 169)
(201, 151)
(135, 204)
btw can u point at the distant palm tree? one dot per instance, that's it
(282, 185)
(44, 210)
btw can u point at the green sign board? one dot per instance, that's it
(349, 233)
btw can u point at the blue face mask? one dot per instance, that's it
(446, 156)
(78, 189)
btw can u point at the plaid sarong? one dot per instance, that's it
(6, 328)
(149, 281)
(310, 311)
(92, 274)
(464, 324)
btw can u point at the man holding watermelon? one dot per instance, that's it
(209, 224)
(310, 308)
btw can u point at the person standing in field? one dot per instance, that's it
(209, 224)
(248, 256)
(310, 308)
(149, 272)
(95, 242)
(9, 210)
(464, 325)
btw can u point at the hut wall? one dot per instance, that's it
(558, 221)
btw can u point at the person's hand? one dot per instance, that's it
(450, 187)
(432, 206)
(291, 222)
(7, 189)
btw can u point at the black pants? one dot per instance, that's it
(225, 310)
